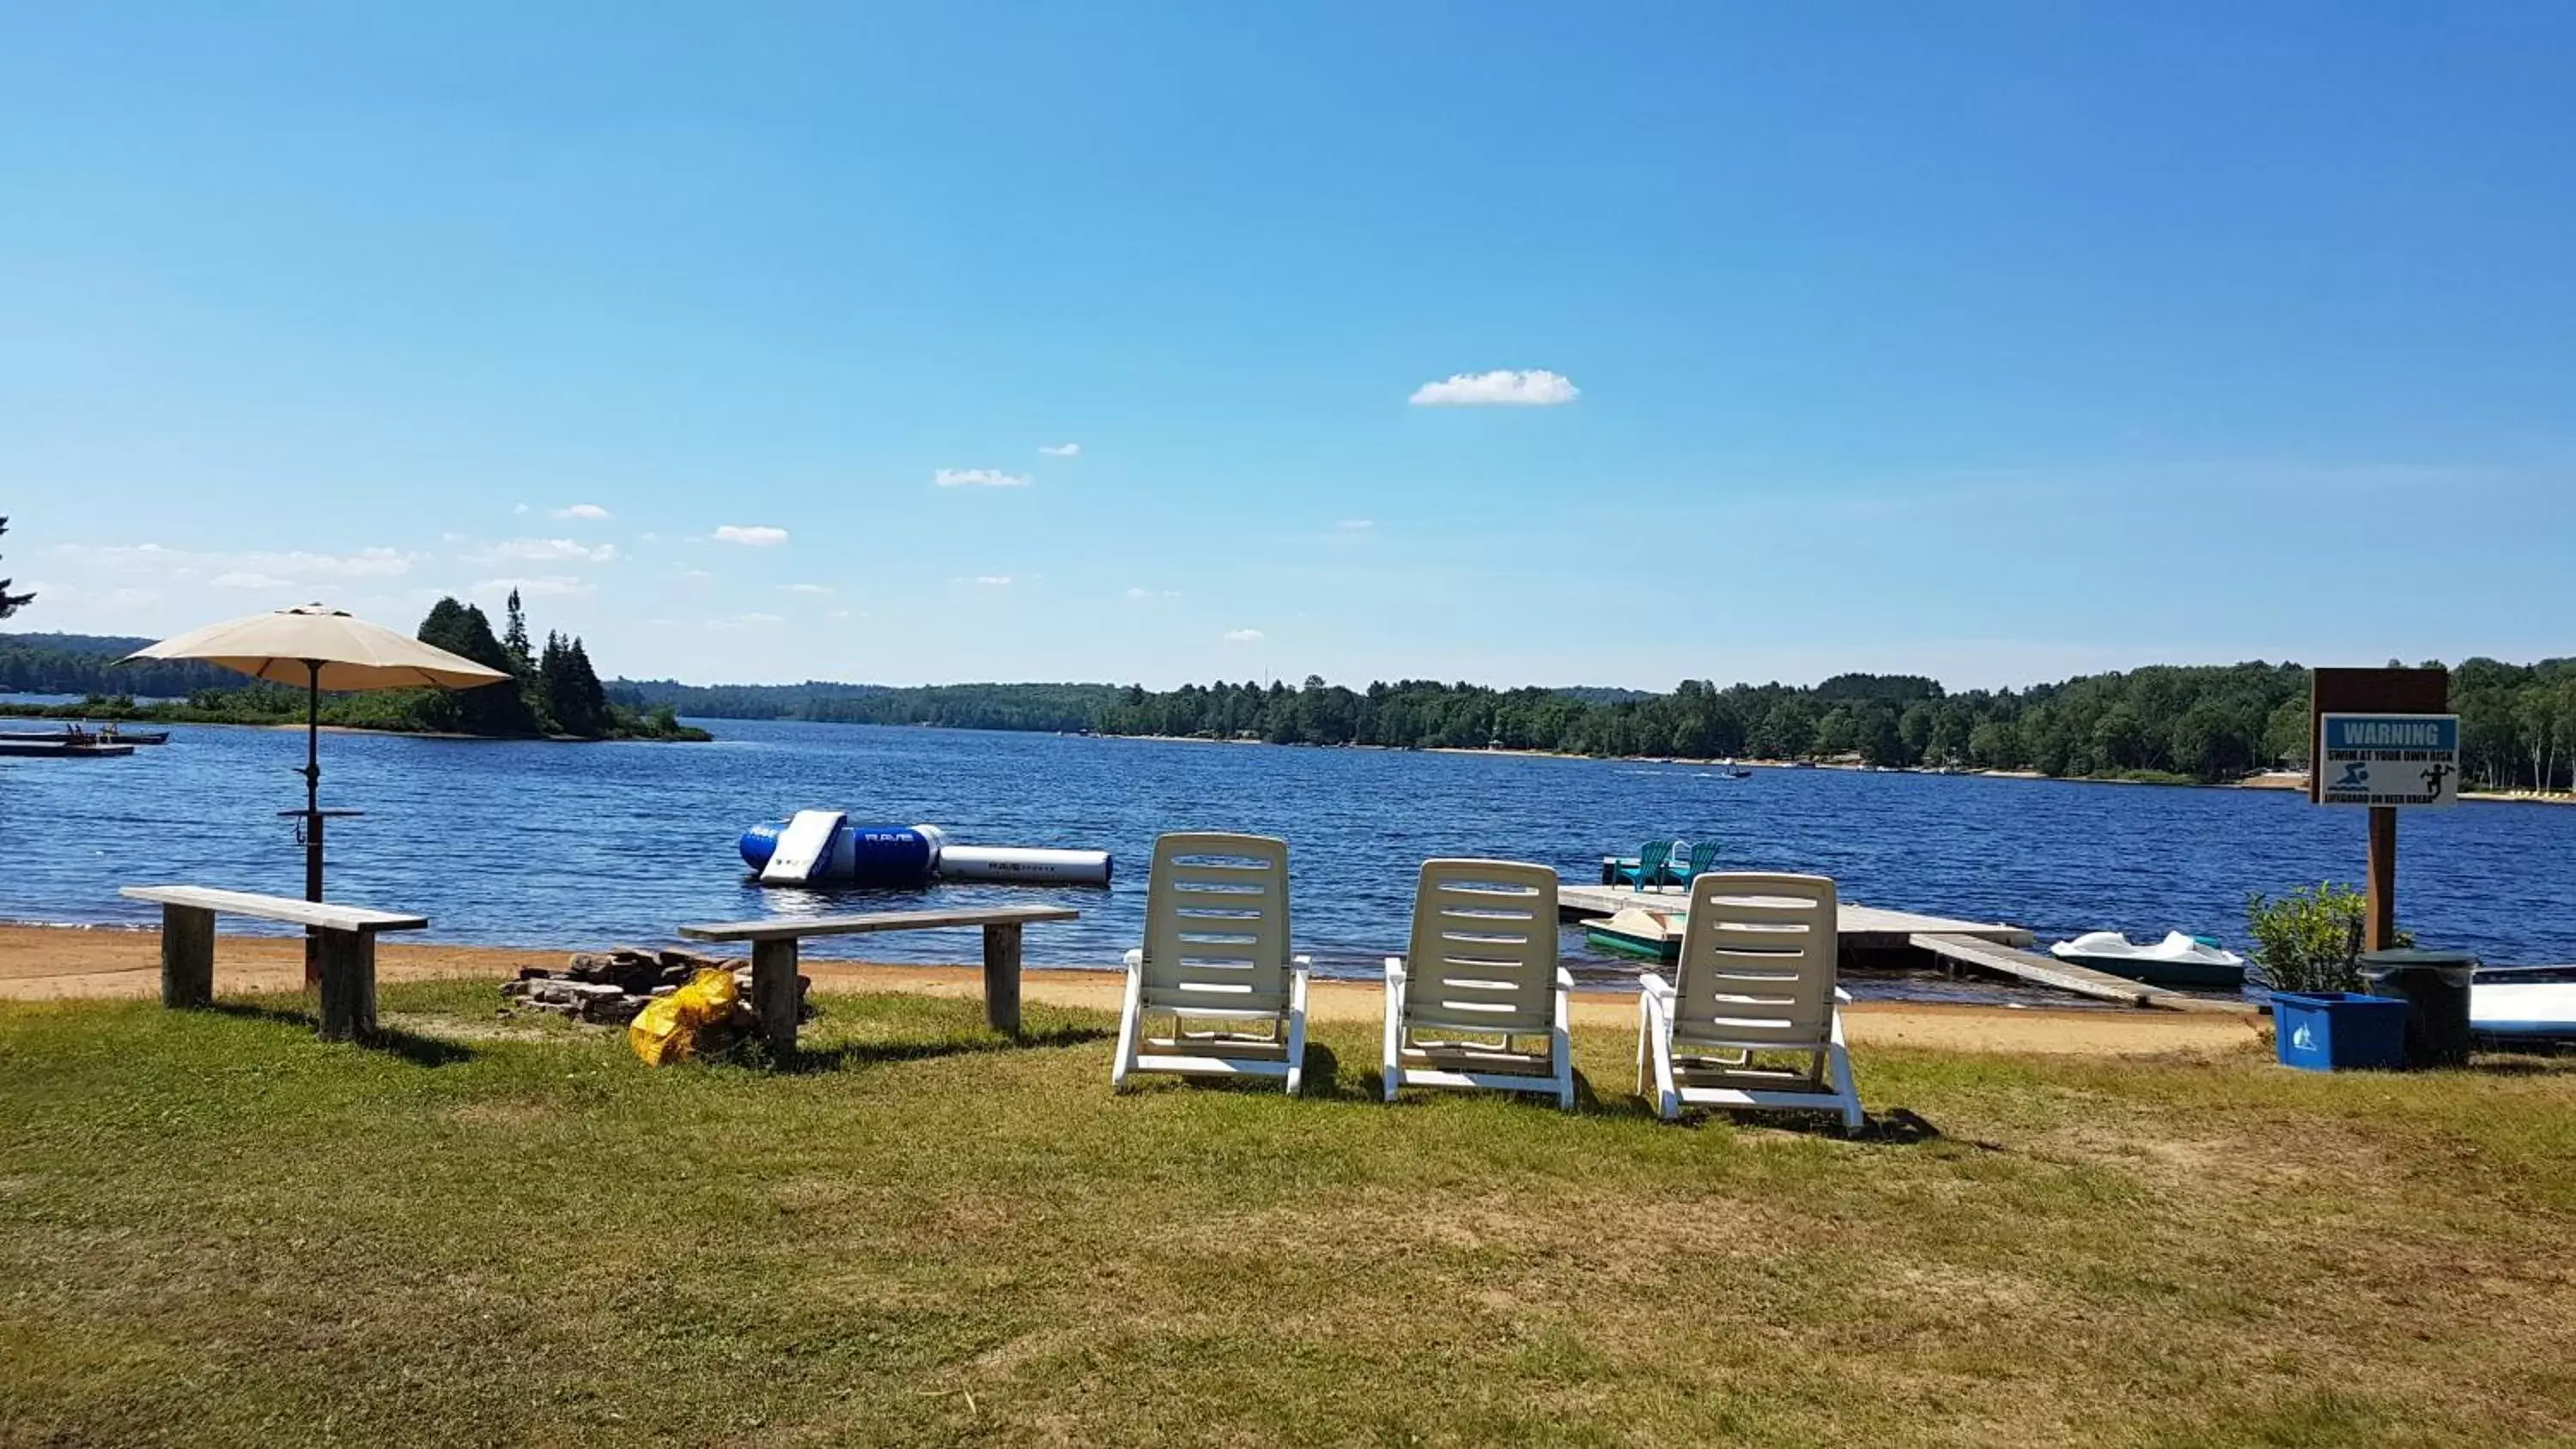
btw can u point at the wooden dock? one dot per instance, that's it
(2038, 970)
(1969, 953)
(1862, 928)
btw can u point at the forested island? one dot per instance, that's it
(556, 695)
(2173, 723)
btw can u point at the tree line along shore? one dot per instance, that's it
(555, 692)
(2205, 724)
(2176, 723)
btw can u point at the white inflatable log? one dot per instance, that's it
(1027, 866)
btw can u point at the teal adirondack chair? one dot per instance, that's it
(1703, 859)
(1652, 867)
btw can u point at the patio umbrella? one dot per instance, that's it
(321, 648)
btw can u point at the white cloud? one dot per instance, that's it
(1062, 450)
(694, 576)
(549, 586)
(989, 581)
(50, 593)
(519, 508)
(1140, 592)
(978, 478)
(1243, 636)
(548, 550)
(1355, 525)
(805, 588)
(1503, 387)
(746, 621)
(750, 535)
(135, 558)
(249, 579)
(366, 563)
(583, 513)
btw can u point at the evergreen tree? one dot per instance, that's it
(492, 710)
(589, 697)
(11, 603)
(515, 638)
(575, 701)
(551, 689)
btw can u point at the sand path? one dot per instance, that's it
(41, 963)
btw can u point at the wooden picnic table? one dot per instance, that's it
(773, 955)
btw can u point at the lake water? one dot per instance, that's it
(535, 844)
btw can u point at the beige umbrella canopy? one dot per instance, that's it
(321, 649)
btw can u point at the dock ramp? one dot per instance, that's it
(2038, 970)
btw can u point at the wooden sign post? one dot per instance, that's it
(2383, 739)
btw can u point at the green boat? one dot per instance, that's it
(1640, 934)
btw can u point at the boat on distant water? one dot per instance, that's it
(2192, 962)
(55, 747)
(77, 735)
(1644, 934)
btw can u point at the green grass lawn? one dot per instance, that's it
(216, 1230)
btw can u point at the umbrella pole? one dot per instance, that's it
(312, 773)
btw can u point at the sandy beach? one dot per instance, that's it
(39, 963)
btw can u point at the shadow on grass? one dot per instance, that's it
(1320, 1082)
(412, 1047)
(840, 1056)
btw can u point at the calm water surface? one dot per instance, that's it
(514, 843)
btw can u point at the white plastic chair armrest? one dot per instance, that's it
(1564, 979)
(1395, 970)
(1301, 960)
(1841, 995)
(1136, 958)
(1654, 985)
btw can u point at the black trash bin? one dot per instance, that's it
(2437, 983)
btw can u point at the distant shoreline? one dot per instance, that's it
(2266, 780)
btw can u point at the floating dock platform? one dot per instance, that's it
(1862, 928)
(1987, 948)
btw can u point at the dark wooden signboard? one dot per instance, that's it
(2374, 691)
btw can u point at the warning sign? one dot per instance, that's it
(2388, 759)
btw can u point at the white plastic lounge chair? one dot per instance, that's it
(1481, 985)
(1754, 986)
(1216, 963)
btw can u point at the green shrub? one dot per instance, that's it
(2306, 940)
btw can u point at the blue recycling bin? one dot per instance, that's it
(2339, 1031)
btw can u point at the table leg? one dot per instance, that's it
(773, 990)
(348, 985)
(187, 956)
(1002, 977)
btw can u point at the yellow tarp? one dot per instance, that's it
(667, 1030)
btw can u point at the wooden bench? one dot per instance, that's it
(773, 955)
(348, 947)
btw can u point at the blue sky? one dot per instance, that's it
(1993, 341)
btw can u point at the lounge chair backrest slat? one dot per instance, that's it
(1757, 961)
(1483, 955)
(1216, 923)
